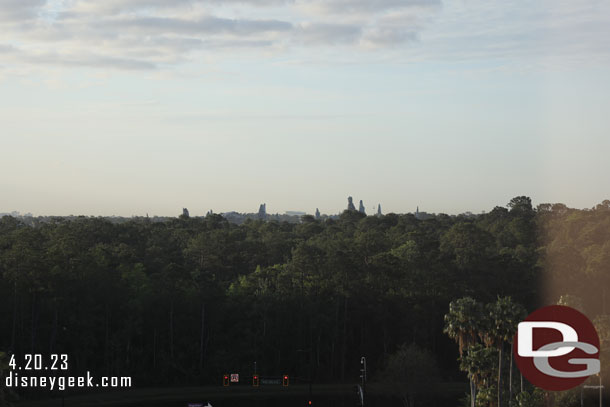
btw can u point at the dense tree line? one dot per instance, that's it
(189, 299)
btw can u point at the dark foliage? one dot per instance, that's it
(189, 299)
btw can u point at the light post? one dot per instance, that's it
(363, 371)
(363, 379)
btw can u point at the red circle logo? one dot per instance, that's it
(556, 348)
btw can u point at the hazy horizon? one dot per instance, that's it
(128, 107)
(370, 210)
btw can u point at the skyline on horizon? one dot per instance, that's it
(128, 107)
(370, 211)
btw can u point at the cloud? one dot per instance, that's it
(6, 49)
(321, 33)
(150, 34)
(156, 34)
(91, 60)
(202, 26)
(20, 10)
(387, 36)
(364, 6)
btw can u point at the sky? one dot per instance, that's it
(129, 107)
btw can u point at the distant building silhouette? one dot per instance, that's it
(350, 204)
(379, 210)
(421, 215)
(317, 213)
(361, 208)
(185, 213)
(262, 211)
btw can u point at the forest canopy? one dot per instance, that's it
(186, 300)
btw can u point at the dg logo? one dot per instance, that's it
(556, 348)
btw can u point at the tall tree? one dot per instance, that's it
(462, 323)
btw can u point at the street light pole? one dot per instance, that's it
(363, 377)
(363, 371)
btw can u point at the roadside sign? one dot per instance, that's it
(271, 380)
(235, 378)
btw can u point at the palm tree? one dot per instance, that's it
(462, 324)
(478, 361)
(503, 317)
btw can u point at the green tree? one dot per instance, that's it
(462, 324)
(479, 362)
(504, 315)
(411, 371)
(533, 398)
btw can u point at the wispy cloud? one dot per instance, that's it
(153, 34)
(20, 10)
(148, 34)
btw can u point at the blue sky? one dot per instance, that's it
(147, 106)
